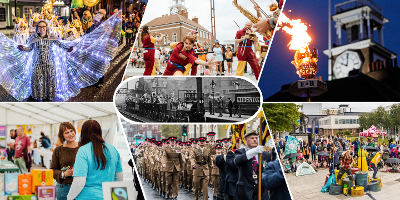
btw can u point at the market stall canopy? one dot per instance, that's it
(52, 113)
(372, 132)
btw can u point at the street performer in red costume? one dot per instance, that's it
(196, 47)
(149, 50)
(245, 52)
(182, 58)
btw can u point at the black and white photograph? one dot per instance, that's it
(187, 99)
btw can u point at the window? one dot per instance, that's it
(174, 38)
(336, 121)
(354, 33)
(347, 121)
(165, 40)
(157, 36)
(354, 121)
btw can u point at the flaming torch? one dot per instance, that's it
(305, 60)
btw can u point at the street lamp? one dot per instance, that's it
(213, 93)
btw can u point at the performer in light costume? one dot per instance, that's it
(21, 31)
(44, 69)
(182, 58)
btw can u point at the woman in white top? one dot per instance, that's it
(218, 58)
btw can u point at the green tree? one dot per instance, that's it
(171, 130)
(395, 117)
(347, 133)
(281, 116)
(381, 118)
(365, 120)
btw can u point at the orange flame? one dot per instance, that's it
(305, 61)
(298, 31)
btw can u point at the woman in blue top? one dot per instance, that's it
(96, 161)
(218, 58)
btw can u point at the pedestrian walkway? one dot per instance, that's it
(182, 194)
(309, 187)
(225, 117)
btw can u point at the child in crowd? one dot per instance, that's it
(294, 167)
(287, 167)
(300, 152)
(298, 164)
(210, 56)
(386, 168)
(315, 164)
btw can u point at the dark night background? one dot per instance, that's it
(278, 70)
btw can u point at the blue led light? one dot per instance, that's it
(73, 70)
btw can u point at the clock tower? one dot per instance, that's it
(177, 6)
(359, 39)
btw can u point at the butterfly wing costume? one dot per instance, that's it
(44, 69)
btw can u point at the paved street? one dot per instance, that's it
(225, 117)
(182, 194)
(309, 187)
(130, 71)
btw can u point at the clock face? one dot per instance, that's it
(174, 10)
(346, 62)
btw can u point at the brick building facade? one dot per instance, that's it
(177, 26)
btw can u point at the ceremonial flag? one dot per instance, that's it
(241, 129)
(265, 135)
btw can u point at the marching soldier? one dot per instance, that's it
(215, 171)
(181, 173)
(146, 160)
(163, 170)
(200, 162)
(172, 161)
(189, 166)
(211, 146)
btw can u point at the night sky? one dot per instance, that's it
(278, 70)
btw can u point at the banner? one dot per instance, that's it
(79, 126)
(291, 145)
(27, 128)
(3, 145)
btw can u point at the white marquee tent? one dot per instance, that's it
(46, 117)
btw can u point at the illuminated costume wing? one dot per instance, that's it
(15, 69)
(90, 58)
(82, 67)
